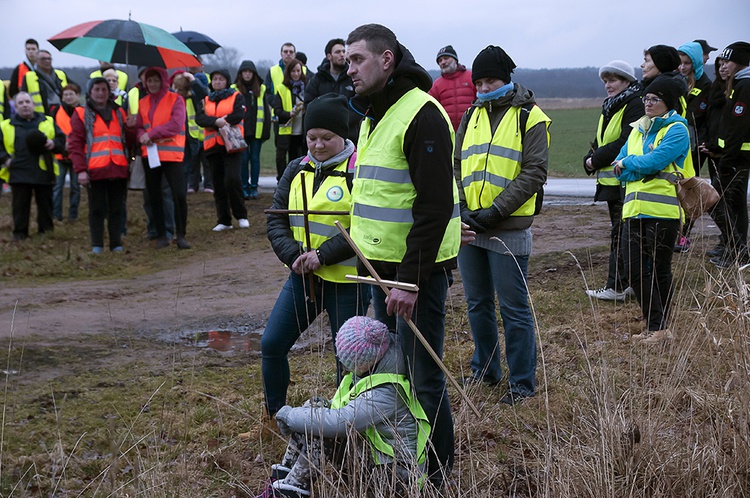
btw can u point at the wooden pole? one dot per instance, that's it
(306, 219)
(392, 284)
(409, 321)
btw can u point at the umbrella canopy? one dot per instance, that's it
(197, 42)
(125, 42)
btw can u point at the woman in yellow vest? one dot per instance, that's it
(374, 401)
(622, 106)
(657, 149)
(324, 178)
(224, 106)
(257, 124)
(288, 107)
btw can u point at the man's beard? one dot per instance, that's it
(338, 67)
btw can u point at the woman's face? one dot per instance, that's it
(655, 106)
(614, 85)
(323, 144)
(296, 73)
(686, 65)
(728, 68)
(153, 84)
(247, 75)
(112, 79)
(218, 82)
(649, 68)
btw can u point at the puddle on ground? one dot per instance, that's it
(222, 340)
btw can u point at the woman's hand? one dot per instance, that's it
(306, 263)
(618, 167)
(145, 139)
(220, 122)
(83, 178)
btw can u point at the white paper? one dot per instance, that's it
(153, 156)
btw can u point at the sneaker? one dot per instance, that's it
(253, 193)
(289, 491)
(116, 249)
(243, 223)
(657, 336)
(181, 243)
(208, 190)
(728, 259)
(163, 242)
(97, 250)
(683, 245)
(513, 398)
(191, 191)
(607, 294)
(221, 227)
(279, 472)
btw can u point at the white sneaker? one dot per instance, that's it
(221, 227)
(243, 223)
(607, 294)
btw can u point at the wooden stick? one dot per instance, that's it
(306, 219)
(390, 283)
(310, 211)
(409, 321)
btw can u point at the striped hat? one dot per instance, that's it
(361, 342)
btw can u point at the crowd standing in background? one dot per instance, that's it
(371, 131)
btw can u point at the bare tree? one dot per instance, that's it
(228, 58)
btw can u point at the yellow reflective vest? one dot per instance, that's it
(286, 103)
(260, 115)
(656, 197)
(383, 194)
(195, 131)
(606, 176)
(9, 141)
(490, 162)
(332, 195)
(32, 86)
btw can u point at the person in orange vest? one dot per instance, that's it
(19, 73)
(70, 100)
(160, 127)
(224, 106)
(97, 146)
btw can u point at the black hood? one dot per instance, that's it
(247, 65)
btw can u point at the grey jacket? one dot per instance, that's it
(533, 165)
(382, 407)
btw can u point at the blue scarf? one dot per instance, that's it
(495, 94)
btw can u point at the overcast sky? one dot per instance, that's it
(536, 34)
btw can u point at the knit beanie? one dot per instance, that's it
(330, 112)
(447, 50)
(620, 68)
(361, 343)
(738, 52)
(668, 88)
(665, 58)
(492, 62)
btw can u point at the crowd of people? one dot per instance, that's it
(423, 178)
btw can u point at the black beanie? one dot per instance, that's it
(447, 50)
(669, 89)
(492, 62)
(665, 58)
(222, 72)
(330, 112)
(738, 52)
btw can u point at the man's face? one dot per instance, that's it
(44, 61)
(153, 84)
(369, 71)
(31, 51)
(100, 93)
(288, 52)
(70, 97)
(337, 56)
(447, 64)
(24, 105)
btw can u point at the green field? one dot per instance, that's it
(572, 131)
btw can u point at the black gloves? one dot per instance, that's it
(487, 217)
(466, 217)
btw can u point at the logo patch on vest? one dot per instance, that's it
(739, 109)
(372, 240)
(335, 194)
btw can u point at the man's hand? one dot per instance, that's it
(467, 234)
(401, 302)
(83, 178)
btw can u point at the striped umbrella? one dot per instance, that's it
(125, 42)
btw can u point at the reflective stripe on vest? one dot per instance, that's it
(490, 162)
(382, 198)
(286, 103)
(217, 110)
(744, 146)
(332, 195)
(9, 141)
(606, 175)
(346, 393)
(657, 196)
(107, 147)
(194, 130)
(171, 149)
(32, 86)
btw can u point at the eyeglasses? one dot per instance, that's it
(651, 100)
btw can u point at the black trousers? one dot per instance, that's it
(106, 201)
(288, 148)
(227, 185)
(730, 213)
(22, 194)
(175, 175)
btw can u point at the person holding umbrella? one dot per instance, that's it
(161, 123)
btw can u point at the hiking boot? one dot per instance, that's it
(657, 336)
(607, 294)
(163, 242)
(513, 398)
(683, 245)
(221, 227)
(182, 243)
(243, 223)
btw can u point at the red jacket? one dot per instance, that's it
(455, 92)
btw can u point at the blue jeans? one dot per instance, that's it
(251, 174)
(57, 192)
(426, 376)
(291, 315)
(484, 274)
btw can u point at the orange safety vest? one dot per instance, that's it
(107, 147)
(62, 120)
(217, 110)
(171, 149)
(23, 68)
